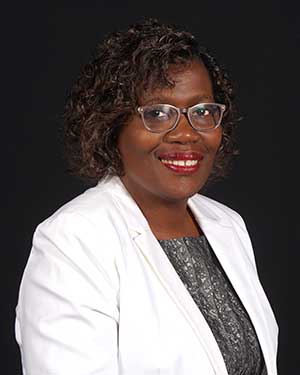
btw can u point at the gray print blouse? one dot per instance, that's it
(203, 276)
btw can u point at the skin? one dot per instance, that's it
(161, 193)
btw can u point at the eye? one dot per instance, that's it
(156, 114)
(201, 112)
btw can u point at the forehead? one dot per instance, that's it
(190, 83)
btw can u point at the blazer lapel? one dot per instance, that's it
(161, 265)
(232, 255)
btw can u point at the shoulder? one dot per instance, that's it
(210, 210)
(81, 241)
(218, 210)
(95, 207)
(89, 224)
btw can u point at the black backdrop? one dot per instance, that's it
(43, 46)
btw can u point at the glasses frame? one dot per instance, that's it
(186, 111)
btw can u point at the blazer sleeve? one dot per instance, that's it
(67, 313)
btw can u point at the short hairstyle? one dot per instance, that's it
(107, 93)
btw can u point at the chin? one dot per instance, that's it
(183, 190)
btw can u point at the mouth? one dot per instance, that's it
(187, 163)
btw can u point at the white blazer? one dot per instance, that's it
(100, 296)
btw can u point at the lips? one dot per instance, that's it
(181, 162)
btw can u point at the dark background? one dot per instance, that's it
(42, 48)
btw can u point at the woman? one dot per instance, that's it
(140, 274)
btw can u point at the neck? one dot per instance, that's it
(167, 219)
(172, 221)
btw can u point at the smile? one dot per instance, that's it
(181, 162)
(182, 166)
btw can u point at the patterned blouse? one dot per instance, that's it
(206, 281)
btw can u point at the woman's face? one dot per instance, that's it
(152, 160)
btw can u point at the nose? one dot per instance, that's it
(183, 132)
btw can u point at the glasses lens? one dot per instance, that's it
(159, 117)
(206, 116)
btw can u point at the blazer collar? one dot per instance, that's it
(135, 219)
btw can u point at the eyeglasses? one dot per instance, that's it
(159, 118)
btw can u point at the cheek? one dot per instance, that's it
(136, 145)
(213, 141)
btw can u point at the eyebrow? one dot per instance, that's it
(165, 100)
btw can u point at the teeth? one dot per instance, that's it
(182, 163)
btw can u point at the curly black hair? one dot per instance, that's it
(108, 89)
